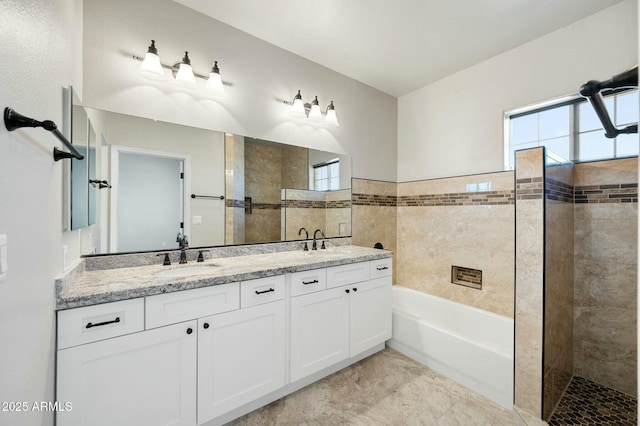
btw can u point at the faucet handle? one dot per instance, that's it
(200, 256)
(167, 260)
(306, 247)
(323, 247)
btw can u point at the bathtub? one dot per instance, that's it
(469, 345)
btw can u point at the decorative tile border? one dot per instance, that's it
(374, 200)
(265, 206)
(558, 191)
(338, 204)
(235, 203)
(303, 204)
(480, 198)
(529, 188)
(613, 193)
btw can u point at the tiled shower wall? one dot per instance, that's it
(329, 211)
(606, 214)
(558, 284)
(432, 225)
(374, 215)
(529, 267)
(464, 221)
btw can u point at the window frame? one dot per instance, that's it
(572, 100)
(326, 164)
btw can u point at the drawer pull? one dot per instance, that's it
(189, 330)
(264, 291)
(382, 269)
(90, 325)
(310, 282)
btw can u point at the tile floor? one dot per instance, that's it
(588, 403)
(384, 389)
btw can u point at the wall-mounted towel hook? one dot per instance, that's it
(14, 120)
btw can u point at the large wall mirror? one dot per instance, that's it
(217, 188)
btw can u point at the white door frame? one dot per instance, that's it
(115, 171)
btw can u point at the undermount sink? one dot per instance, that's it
(185, 271)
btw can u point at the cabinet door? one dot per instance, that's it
(319, 331)
(146, 378)
(370, 314)
(241, 357)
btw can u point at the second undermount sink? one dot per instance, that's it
(186, 271)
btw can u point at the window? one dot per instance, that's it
(326, 176)
(571, 129)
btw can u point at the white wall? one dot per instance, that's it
(455, 126)
(41, 50)
(260, 74)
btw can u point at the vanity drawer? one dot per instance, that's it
(98, 322)
(261, 290)
(308, 281)
(338, 276)
(171, 308)
(380, 268)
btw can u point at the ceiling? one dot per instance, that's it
(401, 45)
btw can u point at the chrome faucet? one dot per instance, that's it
(183, 243)
(314, 246)
(306, 247)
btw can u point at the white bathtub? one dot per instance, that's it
(469, 345)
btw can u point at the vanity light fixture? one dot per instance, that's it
(312, 111)
(184, 76)
(151, 66)
(182, 71)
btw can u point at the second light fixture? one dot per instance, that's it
(312, 111)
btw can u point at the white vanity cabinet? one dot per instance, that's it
(352, 315)
(205, 356)
(145, 378)
(241, 354)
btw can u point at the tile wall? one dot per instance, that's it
(606, 214)
(329, 211)
(464, 221)
(529, 264)
(558, 284)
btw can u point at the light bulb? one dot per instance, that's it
(315, 114)
(151, 66)
(331, 119)
(214, 83)
(185, 76)
(297, 110)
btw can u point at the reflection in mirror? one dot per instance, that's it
(240, 186)
(79, 169)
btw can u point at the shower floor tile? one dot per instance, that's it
(588, 403)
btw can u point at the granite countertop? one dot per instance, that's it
(86, 288)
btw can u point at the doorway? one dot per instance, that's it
(148, 199)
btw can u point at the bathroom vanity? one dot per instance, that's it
(205, 343)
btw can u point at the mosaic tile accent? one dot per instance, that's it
(338, 204)
(529, 188)
(265, 206)
(614, 193)
(235, 203)
(479, 198)
(314, 204)
(558, 191)
(588, 403)
(374, 200)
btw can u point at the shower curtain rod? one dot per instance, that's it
(591, 91)
(14, 120)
